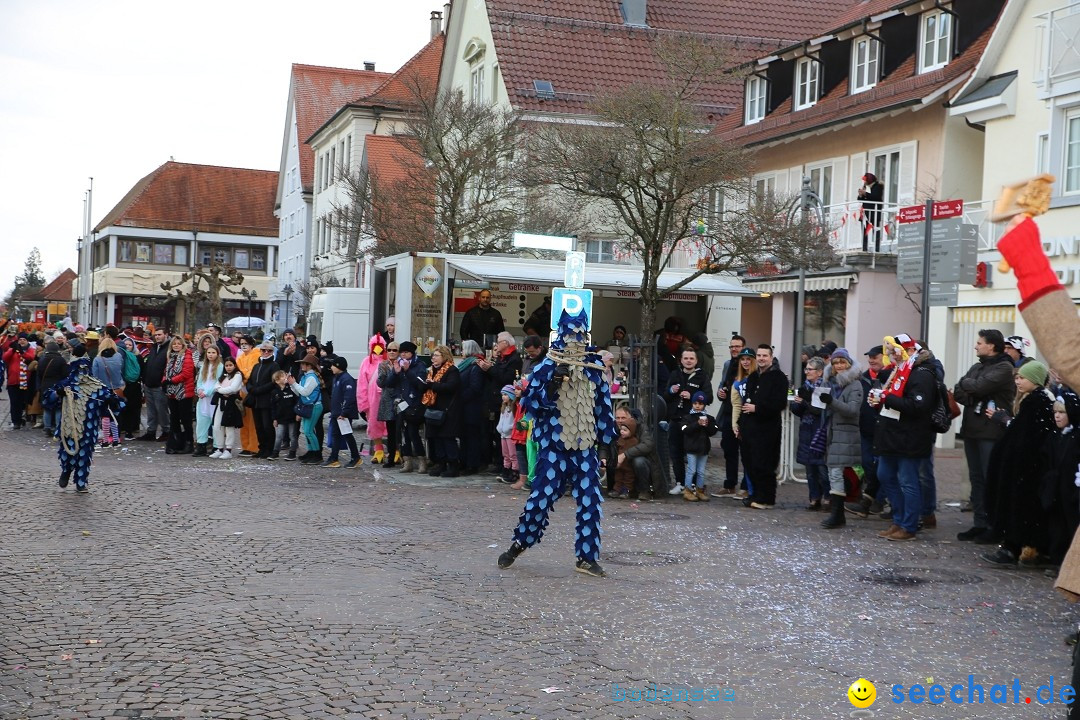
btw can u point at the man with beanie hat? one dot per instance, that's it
(987, 384)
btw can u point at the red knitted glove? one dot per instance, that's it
(1023, 250)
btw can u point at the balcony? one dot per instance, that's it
(1057, 44)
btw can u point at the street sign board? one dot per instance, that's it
(909, 253)
(945, 250)
(911, 214)
(944, 294)
(969, 253)
(573, 301)
(947, 209)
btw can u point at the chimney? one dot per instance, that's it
(436, 23)
(369, 65)
(633, 12)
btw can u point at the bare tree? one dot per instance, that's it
(304, 291)
(451, 184)
(652, 169)
(218, 278)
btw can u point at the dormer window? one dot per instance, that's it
(756, 91)
(935, 46)
(807, 74)
(865, 52)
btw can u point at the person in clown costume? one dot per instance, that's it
(570, 403)
(368, 394)
(81, 399)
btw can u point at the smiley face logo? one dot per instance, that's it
(862, 693)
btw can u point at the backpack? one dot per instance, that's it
(132, 370)
(941, 418)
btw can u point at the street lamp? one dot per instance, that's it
(287, 291)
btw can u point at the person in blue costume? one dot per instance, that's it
(81, 399)
(569, 401)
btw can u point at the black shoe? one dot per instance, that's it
(170, 451)
(291, 455)
(64, 476)
(1001, 556)
(590, 568)
(450, 471)
(507, 558)
(147, 437)
(82, 489)
(200, 450)
(128, 436)
(162, 438)
(312, 458)
(273, 456)
(355, 463)
(246, 453)
(747, 502)
(970, 534)
(836, 513)
(990, 537)
(436, 470)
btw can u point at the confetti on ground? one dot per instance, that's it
(550, 690)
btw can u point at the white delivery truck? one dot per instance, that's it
(342, 316)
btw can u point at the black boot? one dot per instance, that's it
(836, 513)
(451, 470)
(200, 450)
(64, 476)
(436, 469)
(507, 558)
(189, 449)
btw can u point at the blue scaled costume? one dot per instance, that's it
(81, 399)
(570, 403)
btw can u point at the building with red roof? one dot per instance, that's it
(179, 216)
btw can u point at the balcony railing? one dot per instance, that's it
(1058, 43)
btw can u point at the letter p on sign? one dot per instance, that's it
(573, 301)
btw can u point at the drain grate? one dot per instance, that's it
(641, 558)
(632, 515)
(912, 576)
(362, 531)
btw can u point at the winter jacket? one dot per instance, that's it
(767, 391)
(505, 371)
(692, 382)
(989, 379)
(730, 370)
(52, 368)
(282, 404)
(343, 398)
(186, 376)
(409, 388)
(109, 370)
(474, 394)
(13, 357)
(695, 435)
(154, 369)
(446, 399)
(260, 383)
(912, 435)
(868, 415)
(389, 397)
(844, 448)
(811, 420)
(479, 322)
(289, 362)
(227, 400)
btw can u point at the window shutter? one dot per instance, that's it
(857, 169)
(795, 176)
(840, 191)
(906, 179)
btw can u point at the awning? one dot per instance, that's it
(791, 285)
(985, 315)
(597, 277)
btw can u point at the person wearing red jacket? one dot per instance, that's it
(17, 356)
(179, 384)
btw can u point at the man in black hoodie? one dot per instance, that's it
(157, 406)
(759, 426)
(728, 442)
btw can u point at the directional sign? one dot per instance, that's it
(909, 253)
(911, 214)
(944, 294)
(573, 301)
(945, 251)
(969, 253)
(947, 209)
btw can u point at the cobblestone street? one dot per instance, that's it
(193, 588)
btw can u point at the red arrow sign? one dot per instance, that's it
(947, 209)
(911, 214)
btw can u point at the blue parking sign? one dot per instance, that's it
(573, 301)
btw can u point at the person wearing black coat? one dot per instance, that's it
(157, 407)
(696, 428)
(476, 426)
(904, 436)
(760, 425)
(289, 353)
(1058, 494)
(1013, 486)
(871, 378)
(283, 410)
(260, 385)
(504, 370)
(872, 195)
(342, 406)
(728, 442)
(444, 382)
(410, 387)
(681, 386)
(482, 322)
(51, 369)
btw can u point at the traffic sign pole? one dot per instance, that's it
(927, 235)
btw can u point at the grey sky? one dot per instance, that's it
(113, 88)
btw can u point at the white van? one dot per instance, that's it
(342, 316)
